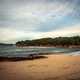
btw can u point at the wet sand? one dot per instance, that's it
(53, 67)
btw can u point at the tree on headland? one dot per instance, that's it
(58, 41)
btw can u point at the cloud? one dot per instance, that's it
(31, 15)
(11, 35)
(28, 19)
(66, 31)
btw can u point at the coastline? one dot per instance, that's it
(53, 67)
(28, 57)
(57, 46)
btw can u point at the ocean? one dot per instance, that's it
(13, 51)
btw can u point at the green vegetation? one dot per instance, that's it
(58, 41)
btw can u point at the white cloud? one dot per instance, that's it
(11, 35)
(20, 21)
(31, 15)
(66, 31)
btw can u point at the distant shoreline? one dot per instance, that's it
(72, 46)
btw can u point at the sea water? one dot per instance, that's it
(13, 51)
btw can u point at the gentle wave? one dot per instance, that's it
(76, 53)
(22, 52)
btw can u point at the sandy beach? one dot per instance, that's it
(52, 67)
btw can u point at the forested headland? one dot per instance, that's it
(73, 41)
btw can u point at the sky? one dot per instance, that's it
(33, 19)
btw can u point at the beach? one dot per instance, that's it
(51, 67)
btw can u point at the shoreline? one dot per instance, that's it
(35, 56)
(14, 59)
(71, 46)
(28, 57)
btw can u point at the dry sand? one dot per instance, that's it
(53, 67)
